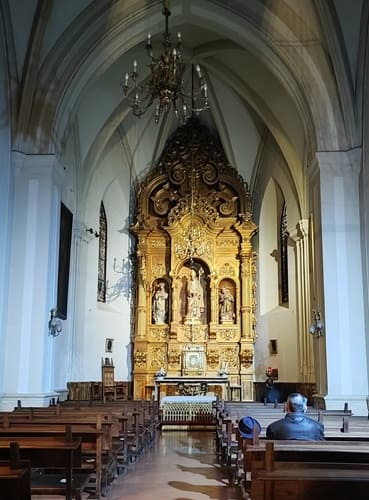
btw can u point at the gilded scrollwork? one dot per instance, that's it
(158, 242)
(227, 270)
(212, 357)
(159, 334)
(158, 270)
(230, 356)
(246, 357)
(227, 243)
(140, 358)
(192, 242)
(228, 334)
(194, 332)
(158, 357)
(174, 357)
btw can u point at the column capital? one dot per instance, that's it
(300, 231)
(340, 162)
(38, 165)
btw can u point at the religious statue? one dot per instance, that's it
(195, 298)
(226, 301)
(159, 307)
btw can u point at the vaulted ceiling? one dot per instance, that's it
(272, 68)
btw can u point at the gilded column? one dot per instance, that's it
(141, 291)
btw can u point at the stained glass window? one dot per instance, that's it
(101, 277)
(283, 235)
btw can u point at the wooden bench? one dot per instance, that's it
(15, 482)
(90, 435)
(47, 453)
(125, 437)
(305, 470)
(15, 476)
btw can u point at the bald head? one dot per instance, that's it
(296, 403)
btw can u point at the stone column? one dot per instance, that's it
(77, 287)
(300, 237)
(27, 372)
(345, 336)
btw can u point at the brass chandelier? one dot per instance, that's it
(165, 86)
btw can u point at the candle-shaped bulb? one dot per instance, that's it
(126, 76)
(135, 66)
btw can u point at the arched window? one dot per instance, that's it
(101, 276)
(283, 242)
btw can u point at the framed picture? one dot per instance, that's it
(109, 345)
(194, 360)
(65, 238)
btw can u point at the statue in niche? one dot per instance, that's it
(195, 295)
(226, 301)
(159, 306)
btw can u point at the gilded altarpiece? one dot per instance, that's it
(195, 299)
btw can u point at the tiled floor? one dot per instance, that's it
(180, 466)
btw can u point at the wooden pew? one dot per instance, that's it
(90, 435)
(15, 476)
(47, 453)
(305, 470)
(130, 433)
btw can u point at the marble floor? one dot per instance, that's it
(181, 466)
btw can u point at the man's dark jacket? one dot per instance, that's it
(296, 426)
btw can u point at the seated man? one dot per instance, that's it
(296, 425)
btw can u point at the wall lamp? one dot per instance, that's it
(55, 324)
(94, 233)
(317, 326)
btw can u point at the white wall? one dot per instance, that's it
(99, 321)
(275, 321)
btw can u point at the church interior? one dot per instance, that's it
(182, 184)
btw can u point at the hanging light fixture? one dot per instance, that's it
(166, 86)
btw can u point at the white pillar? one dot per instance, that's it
(347, 371)
(27, 372)
(80, 240)
(300, 236)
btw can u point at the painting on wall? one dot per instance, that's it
(65, 238)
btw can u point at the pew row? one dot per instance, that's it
(281, 470)
(46, 453)
(339, 424)
(111, 438)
